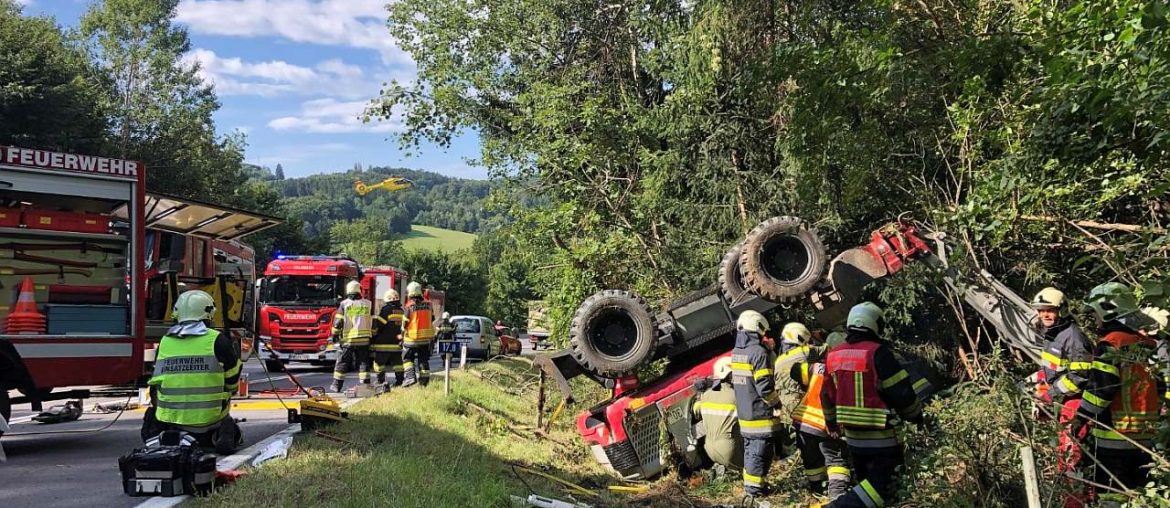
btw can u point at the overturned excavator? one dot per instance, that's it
(781, 261)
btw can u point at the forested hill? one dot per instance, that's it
(435, 200)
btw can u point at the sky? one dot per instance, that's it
(294, 75)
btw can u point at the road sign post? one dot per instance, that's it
(446, 375)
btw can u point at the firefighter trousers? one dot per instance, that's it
(1130, 467)
(875, 469)
(824, 461)
(350, 358)
(417, 363)
(383, 360)
(224, 436)
(757, 458)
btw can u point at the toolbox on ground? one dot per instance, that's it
(86, 319)
(81, 222)
(170, 465)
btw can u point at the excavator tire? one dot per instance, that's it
(730, 279)
(612, 333)
(782, 259)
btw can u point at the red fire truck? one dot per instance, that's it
(298, 296)
(76, 310)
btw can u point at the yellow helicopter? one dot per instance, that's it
(394, 183)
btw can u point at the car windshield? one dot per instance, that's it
(467, 325)
(304, 290)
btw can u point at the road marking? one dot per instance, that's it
(264, 405)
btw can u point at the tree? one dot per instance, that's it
(367, 240)
(279, 172)
(50, 95)
(457, 274)
(160, 109)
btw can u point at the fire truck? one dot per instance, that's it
(77, 308)
(298, 296)
(780, 262)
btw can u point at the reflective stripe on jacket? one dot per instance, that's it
(1067, 359)
(354, 321)
(1122, 392)
(387, 328)
(420, 326)
(755, 386)
(715, 411)
(863, 387)
(809, 416)
(191, 384)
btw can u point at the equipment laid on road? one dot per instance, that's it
(316, 412)
(60, 414)
(394, 183)
(169, 465)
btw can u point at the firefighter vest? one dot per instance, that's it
(357, 321)
(809, 416)
(420, 327)
(1134, 410)
(863, 415)
(190, 381)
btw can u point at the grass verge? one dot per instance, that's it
(436, 239)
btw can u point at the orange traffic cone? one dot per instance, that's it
(24, 318)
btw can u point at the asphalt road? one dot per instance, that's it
(87, 462)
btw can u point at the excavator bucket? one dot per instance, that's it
(849, 273)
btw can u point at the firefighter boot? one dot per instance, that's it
(337, 385)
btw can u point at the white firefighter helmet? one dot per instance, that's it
(446, 316)
(722, 368)
(752, 321)
(1048, 298)
(835, 338)
(413, 289)
(796, 333)
(194, 305)
(1112, 300)
(353, 288)
(391, 295)
(866, 316)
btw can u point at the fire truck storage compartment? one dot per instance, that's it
(10, 217)
(86, 319)
(79, 222)
(72, 266)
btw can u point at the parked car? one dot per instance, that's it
(478, 334)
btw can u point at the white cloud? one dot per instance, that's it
(233, 76)
(297, 153)
(349, 23)
(329, 116)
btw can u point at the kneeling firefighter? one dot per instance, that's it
(417, 335)
(756, 399)
(352, 326)
(195, 374)
(714, 412)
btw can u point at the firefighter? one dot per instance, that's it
(1157, 325)
(864, 385)
(794, 348)
(386, 344)
(714, 411)
(823, 456)
(756, 399)
(352, 326)
(446, 330)
(1120, 401)
(195, 374)
(417, 334)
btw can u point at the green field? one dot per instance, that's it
(429, 238)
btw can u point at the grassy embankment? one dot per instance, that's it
(415, 447)
(431, 238)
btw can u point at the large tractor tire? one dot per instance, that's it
(782, 259)
(730, 279)
(612, 333)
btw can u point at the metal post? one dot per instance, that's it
(446, 374)
(1031, 487)
(540, 401)
(463, 357)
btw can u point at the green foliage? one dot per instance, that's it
(367, 240)
(460, 276)
(49, 92)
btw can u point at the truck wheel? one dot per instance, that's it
(730, 278)
(274, 365)
(612, 333)
(782, 259)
